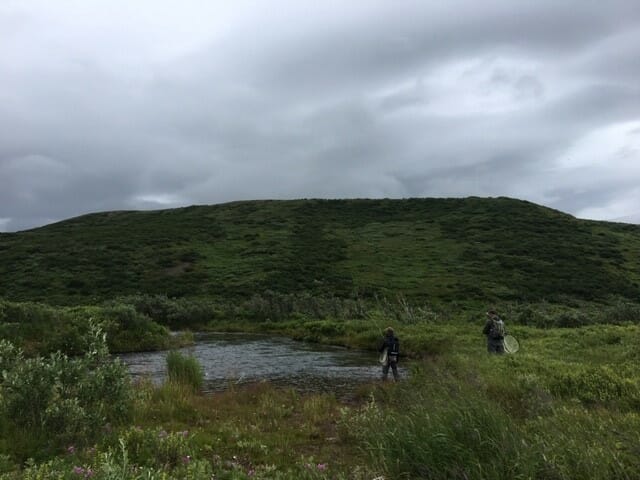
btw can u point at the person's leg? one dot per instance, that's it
(385, 371)
(500, 348)
(493, 346)
(394, 369)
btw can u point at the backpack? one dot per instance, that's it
(497, 328)
(394, 347)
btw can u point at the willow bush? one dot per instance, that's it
(49, 402)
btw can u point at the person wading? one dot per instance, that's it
(391, 344)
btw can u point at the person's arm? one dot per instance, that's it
(487, 327)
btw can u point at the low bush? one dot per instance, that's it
(130, 330)
(157, 448)
(42, 329)
(49, 402)
(622, 312)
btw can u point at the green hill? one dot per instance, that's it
(439, 250)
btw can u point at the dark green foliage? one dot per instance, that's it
(427, 250)
(50, 402)
(176, 313)
(42, 329)
(572, 314)
(132, 331)
(314, 256)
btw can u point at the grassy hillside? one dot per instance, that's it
(437, 250)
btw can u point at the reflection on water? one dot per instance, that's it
(229, 359)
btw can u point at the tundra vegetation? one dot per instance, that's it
(564, 407)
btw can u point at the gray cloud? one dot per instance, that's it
(106, 107)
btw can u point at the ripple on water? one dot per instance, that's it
(232, 359)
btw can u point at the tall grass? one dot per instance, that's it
(184, 370)
(479, 418)
(442, 432)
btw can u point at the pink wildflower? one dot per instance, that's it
(71, 449)
(322, 467)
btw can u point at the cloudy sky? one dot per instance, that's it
(145, 104)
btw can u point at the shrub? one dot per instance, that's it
(176, 313)
(571, 320)
(157, 447)
(132, 331)
(56, 400)
(622, 312)
(43, 329)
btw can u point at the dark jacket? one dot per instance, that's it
(392, 344)
(487, 330)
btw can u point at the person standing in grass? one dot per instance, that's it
(495, 331)
(391, 344)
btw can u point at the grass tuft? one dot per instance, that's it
(184, 370)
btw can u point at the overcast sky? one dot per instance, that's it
(132, 104)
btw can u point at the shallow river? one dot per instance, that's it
(236, 359)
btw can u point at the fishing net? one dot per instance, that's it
(511, 345)
(383, 357)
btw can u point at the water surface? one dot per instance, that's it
(237, 359)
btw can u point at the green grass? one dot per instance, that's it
(564, 407)
(437, 250)
(184, 370)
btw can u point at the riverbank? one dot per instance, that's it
(564, 407)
